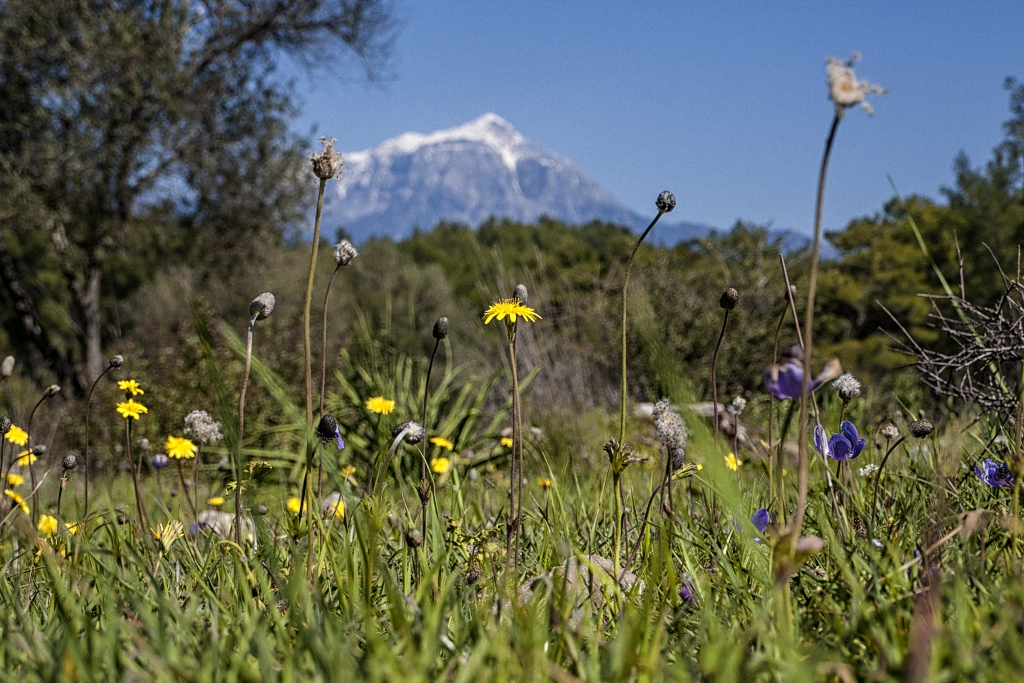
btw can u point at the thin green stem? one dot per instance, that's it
(307, 355)
(878, 479)
(714, 376)
(85, 458)
(424, 481)
(241, 431)
(812, 283)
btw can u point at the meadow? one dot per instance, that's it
(268, 502)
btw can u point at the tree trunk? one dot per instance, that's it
(87, 299)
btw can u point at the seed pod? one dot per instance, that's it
(441, 328)
(414, 431)
(666, 202)
(70, 462)
(262, 306)
(921, 428)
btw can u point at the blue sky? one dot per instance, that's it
(724, 103)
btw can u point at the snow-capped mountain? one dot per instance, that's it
(467, 174)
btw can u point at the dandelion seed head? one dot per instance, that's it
(890, 432)
(845, 90)
(666, 202)
(344, 252)
(848, 387)
(202, 427)
(327, 163)
(262, 306)
(116, 361)
(737, 406)
(671, 431)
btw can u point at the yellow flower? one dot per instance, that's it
(348, 470)
(380, 405)
(699, 467)
(47, 525)
(732, 462)
(15, 479)
(510, 308)
(294, 505)
(543, 482)
(130, 386)
(507, 442)
(26, 458)
(17, 436)
(216, 501)
(442, 442)
(439, 465)
(18, 500)
(179, 448)
(131, 408)
(73, 527)
(338, 510)
(167, 534)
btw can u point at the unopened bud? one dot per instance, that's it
(441, 328)
(51, 391)
(413, 538)
(116, 361)
(414, 432)
(666, 202)
(70, 462)
(39, 450)
(7, 367)
(262, 306)
(921, 428)
(344, 252)
(729, 299)
(5, 425)
(520, 293)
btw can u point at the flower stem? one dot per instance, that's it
(812, 283)
(714, 376)
(241, 430)
(878, 479)
(85, 458)
(323, 379)
(424, 481)
(616, 479)
(308, 363)
(625, 288)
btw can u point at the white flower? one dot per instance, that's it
(848, 386)
(200, 425)
(844, 88)
(868, 470)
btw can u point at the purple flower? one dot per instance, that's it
(844, 445)
(994, 474)
(784, 380)
(159, 461)
(760, 520)
(328, 429)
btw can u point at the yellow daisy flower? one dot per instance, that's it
(439, 465)
(26, 458)
(15, 479)
(167, 534)
(543, 482)
(507, 442)
(73, 527)
(442, 442)
(510, 308)
(338, 511)
(47, 525)
(347, 471)
(732, 462)
(130, 386)
(179, 448)
(17, 435)
(18, 500)
(216, 501)
(380, 405)
(131, 408)
(294, 505)
(699, 467)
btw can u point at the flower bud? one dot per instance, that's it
(344, 252)
(7, 367)
(890, 432)
(69, 462)
(144, 444)
(921, 428)
(413, 538)
(441, 328)
(729, 299)
(326, 164)
(5, 425)
(262, 306)
(39, 450)
(520, 293)
(159, 461)
(261, 509)
(666, 202)
(327, 428)
(51, 391)
(116, 361)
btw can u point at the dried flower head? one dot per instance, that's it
(921, 428)
(848, 387)
(344, 252)
(666, 202)
(890, 432)
(441, 328)
(413, 538)
(327, 163)
(202, 427)
(262, 306)
(69, 462)
(844, 88)
(144, 444)
(5, 425)
(413, 432)
(671, 432)
(729, 299)
(7, 367)
(116, 361)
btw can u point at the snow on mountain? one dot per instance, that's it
(467, 174)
